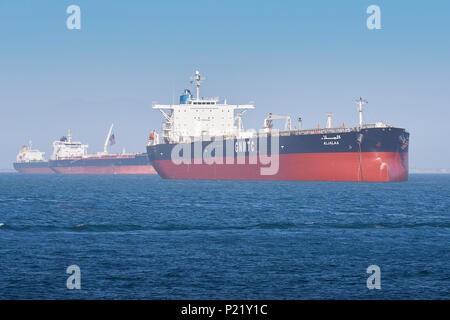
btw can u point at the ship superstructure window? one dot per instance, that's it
(202, 102)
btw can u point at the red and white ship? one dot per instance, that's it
(204, 139)
(71, 157)
(30, 160)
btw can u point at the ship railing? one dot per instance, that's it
(315, 131)
(295, 132)
(333, 130)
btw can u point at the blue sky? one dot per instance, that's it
(300, 58)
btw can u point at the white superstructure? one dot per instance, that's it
(66, 148)
(194, 118)
(27, 154)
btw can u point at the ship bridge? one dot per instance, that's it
(195, 118)
(28, 154)
(66, 148)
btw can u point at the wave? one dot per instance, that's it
(82, 227)
(389, 225)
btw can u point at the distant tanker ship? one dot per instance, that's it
(204, 139)
(71, 157)
(30, 160)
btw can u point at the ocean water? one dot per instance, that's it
(141, 237)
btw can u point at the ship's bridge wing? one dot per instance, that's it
(164, 106)
(204, 104)
(243, 106)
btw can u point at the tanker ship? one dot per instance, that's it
(71, 157)
(30, 160)
(205, 139)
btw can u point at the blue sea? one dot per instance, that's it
(141, 237)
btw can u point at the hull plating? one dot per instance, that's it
(146, 169)
(372, 166)
(376, 154)
(128, 164)
(34, 170)
(32, 167)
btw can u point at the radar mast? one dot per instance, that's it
(198, 79)
(360, 102)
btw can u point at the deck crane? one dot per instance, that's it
(105, 146)
(270, 117)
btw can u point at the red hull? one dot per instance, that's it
(147, 169)
(34, 170)
(347, 166)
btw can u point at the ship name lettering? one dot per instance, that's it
(244, 146)
(337, 137)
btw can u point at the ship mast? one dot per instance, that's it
(360, 102)
(329, 119)
(107, 139)
(197, 78)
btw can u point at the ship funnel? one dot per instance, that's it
(185, 96)
(329, 124)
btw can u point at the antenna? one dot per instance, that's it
(197, 78)
(360, 102)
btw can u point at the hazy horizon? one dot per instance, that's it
(288, 57)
